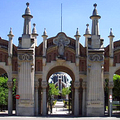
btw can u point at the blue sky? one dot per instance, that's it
(47, 14)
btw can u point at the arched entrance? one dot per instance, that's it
(60, 92)
(7, 94)
(71, 74)
(75, 86)
(112, 72)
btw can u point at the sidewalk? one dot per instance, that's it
(59, 109)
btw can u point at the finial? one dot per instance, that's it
(95, 5)
(34, 24)
(111, 33)
(87, 25)
(27, 4)
(44, 33)
(77, 32)
(87, 30)
(34, 29)
(10, 33)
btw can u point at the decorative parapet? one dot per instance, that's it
(10, 84)
(36, 84)
(111, 84)
(44, 84)
(76, 84)
(84, 84)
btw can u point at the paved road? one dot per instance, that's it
(58, 118)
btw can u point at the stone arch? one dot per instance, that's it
(6, 69)
(60, 68)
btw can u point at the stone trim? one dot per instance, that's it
(110, 84)
(25, 57)
(44, 84)
(36, 84)
(84, 84)
(10, 84)
(95, 57)
(76, 84)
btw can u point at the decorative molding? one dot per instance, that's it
(110, 84)
(16, 84)
(84, 85)
(10, 84)
(44, 84)
(96, 57)
(25, 57)
(36, 84)
(61, 41)
(76, 84)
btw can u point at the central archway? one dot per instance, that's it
(71, 74)
(63, 69)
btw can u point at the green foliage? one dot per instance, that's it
(116, 88)
(53, 90)
(3, 91)
(66, 91)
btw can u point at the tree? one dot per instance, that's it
(3, 92)
(53, 90)
(116, 88)
(66, 91)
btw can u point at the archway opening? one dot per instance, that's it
(4, 90)
(60, 91)
(114, 105)
(116, 93)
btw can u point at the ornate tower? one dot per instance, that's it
(95, 69)
(26, 67)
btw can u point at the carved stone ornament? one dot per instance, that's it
(27, 57)
(76, 84)
(36, 84)
(84, 84)
(44, 84)
(61, 41)
(96, 57)
(10, 84)
(111, 84)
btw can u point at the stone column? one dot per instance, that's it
(83, 98)
(10, 104)
(44, 101)
(36, 97)
(110, 86)
(76, 98)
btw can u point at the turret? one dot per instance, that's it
(111, 47)
(27, 20)
(26, 36)
(77, 36)
(95, 37)
(95, 24)
(87, 35)
(10, 45)
(34, 34)
(44, 42)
